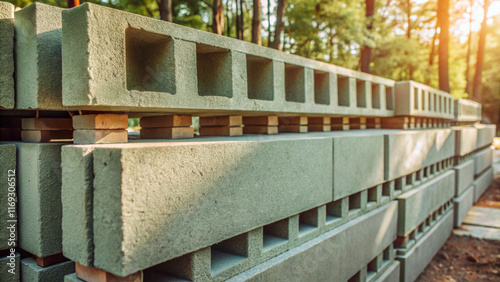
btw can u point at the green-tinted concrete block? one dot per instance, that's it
(9, 267)
(414, 261)
(465, 140)
(339, 253)
(410, 150)
(38, 57)
(462, 205)
(31, 272)
(391, 274)
(7, 91)
(8, 196)
(464, 176)
(485, 134)
(467, 110)
(482, 182)
(416, 205)
(483, 160)
(72, 278)
(39, 192)
(416, 99)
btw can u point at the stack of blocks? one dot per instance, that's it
(248, 199)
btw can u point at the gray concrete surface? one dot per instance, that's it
(10, 270)
(481, 183)
(465, 139)
(464, 176)
(416, 99)
(7, 91)
(31, 272)
(467, 110)
(8, 185)
(483, 160)
(485, 134)
(462, 205)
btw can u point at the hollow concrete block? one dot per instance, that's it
(8, 196)
(391, 274)
(30, 271)
(482, 182)
(483, 160)
(10, 270)
(7, 92)
(465, 139)
(467, 110)
(416, 99)
(485, 134)
(464, 173)
(462, 205)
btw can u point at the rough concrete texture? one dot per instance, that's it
(483, 160)
(462, 205)
(105, 66)
(464, 176)
(485, 134)
(72, 278)
(416, 205)
(9, 268)
(467, 110)
(319, 259)
(465, 140)
(416, 259)
(38, 57)
(216, 191)
(416, 99)
(482, 183)
(31, 272)
(486, 217)
(391, 274)
(7, 91)
(7, 174)
(39, 192)
(410, 150)
(77, 202)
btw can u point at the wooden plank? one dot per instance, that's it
(100, 121)
(42, 136)
(47, 124)
(167, 133)
(93, 274)
(221, 131)
(166, 121)
(221, 121)
(261, 120)
(260, 129)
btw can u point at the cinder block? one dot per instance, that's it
(483, 160)
(462, 205)
(416, 205)
(100, 136)
(466, 138)
(410, 150)
(482, 183)
(10, 268)
(414, 261)
(467, 110)
(416, 99)
(464, 173)
(8, 197)
(30, 271)
(38, 57)
(72, 278)
(485, 134)
(100, 121)
(166, 121)
(231, 194)
(39, 192)
(359, 240)
(7, 91)
(47, 124)
(391, 274)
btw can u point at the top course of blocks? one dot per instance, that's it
(467, 110)
(6, 55)
(416, 99)
(114, 60)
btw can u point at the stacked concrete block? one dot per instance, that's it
(467, 110)
(485, 135)
(8, 197)
(482, 182)
(483, 160)
(30, 271)
(7, 56)
(10, 269)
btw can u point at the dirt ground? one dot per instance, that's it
(464, 258)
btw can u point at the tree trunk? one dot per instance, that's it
(73, 3)
(165, 7)
(408, 34)
(237, 19)
(366, 51)
(469, 43)
(476, 90)
(218, 17)
(240, 21)
(268, 23)
(276, 43)
(443, 12)
(256, 24)
(228, 22)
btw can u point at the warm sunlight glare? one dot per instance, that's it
(462, 27)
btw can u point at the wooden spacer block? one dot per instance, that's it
(396, 122)
(93, 274)
(100, 136)
(373, 123)
(100, 121)
(293, 121)
(260, 129)
(47, 123)
(262, 120)
(50, 260)
(319, 127)
(167, 133)
(166, 121)
(221, 121)
(221, 131)
(10, 122)
(293, 128)
(319, 120)
(10, 134)
(41, 136)
(401, 242)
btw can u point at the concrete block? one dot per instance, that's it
(215, 192)
(359, 240)
(482, 183)
(465, 139)
(100, 121)
(414, 261)
(416, 205)
(72, 278)
(10, 270)
(485, 134)
(30, 271)
(410, 150)
(39, 191)
(7, 92)
(38, 57)
(467, 110)
(483, 160)
(193, 71)
(8, 197)
(462, 205)
(416, 99)
(100, 136)
(464, 176)
(391, 274)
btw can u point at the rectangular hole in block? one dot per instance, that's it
(372, 195)
(343, 90)
(435, 102)
(450, 105)
(386, 254)
(418, 175)
(321, 87)
(421, 228)
(445, 104)
(308, 221)
(386, 189)
(275, 234)
(409, 180)
(355, 201)
(375, 96)
(423, 100)
(150, 61)
(361, 93)
(372, 268)
(260, 78)
(398, 184)
(333, 211)
(355, 278)
(425, 172)
(431, 169)
(214, 71)
(415, 98)
(295, 90)
(229, 253)
(389, 98)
